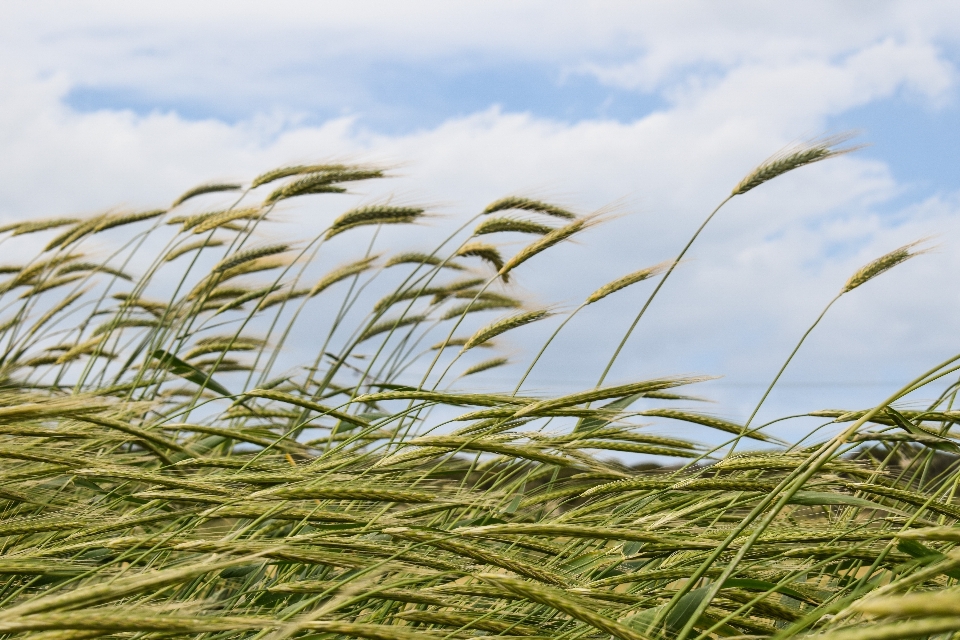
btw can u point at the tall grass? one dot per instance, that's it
(164, 473)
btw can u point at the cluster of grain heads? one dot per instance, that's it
(551, 239)
(83, 228)
(779, 164)
(326, 181)
(161, 475)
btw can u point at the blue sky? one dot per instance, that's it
(919, 141)
(653, 108)
(395, 97)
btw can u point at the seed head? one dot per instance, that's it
(792, 158)
(882, 264)
(484, 251)
(503, 325)
(202, 189)
(554, 237)
(504, 225)
(111, 221)
(390, 325)
(627, 280)
(413, 257)
(342, 273)
(176, 252)
(458, 341)
(248, 255)
(210, 220)
(33, 226)
(323, 182)
(485, 365)
(377, 214)
(75, 232)
(526, 204)
(297, 170)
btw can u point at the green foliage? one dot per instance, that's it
(161, 476)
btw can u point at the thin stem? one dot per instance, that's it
(776, 378)
(663, 280)
(553, 335)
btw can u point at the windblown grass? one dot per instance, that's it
(159, 477)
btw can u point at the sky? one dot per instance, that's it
(650, 111)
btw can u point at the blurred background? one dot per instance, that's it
(650, 111)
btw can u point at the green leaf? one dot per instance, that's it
(240, 571)
(750, 584)
(677, 617)
(189, 372)
(915, 549)
(925, 555)
(685, 607)
(87, 484)
(817, 498)
(631, 548)
(477, 522)
(938, 442)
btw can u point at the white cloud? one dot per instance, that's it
(754, 281)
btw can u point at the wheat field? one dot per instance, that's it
(164, 473)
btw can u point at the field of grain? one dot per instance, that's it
(163, 473)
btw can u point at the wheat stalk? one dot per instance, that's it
(342, 273)
(881, 265)
(141, 496)
(33, 226)
(372, 215)
(486, 365)
(416, 257)
(792, 158)
(321, 182)
(627, 280)
(249, 255)
(553, 238)
(526, 204)
(484, 251)
(215, 187)
(295, 170)
(503, 325)
(510, 225)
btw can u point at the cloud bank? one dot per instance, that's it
(196, 92)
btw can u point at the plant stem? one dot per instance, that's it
(663, 280)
